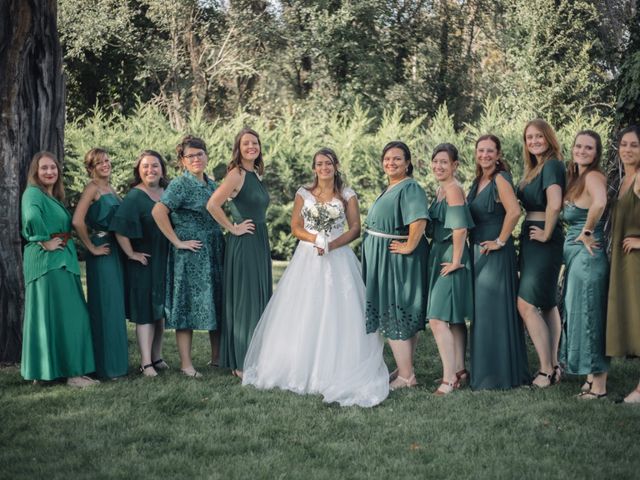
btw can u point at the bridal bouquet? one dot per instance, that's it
(321, 217)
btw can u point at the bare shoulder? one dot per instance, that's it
(454, 194)
(595, 178)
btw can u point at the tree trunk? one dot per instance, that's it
(31, 119)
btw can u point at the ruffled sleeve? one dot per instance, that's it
(413, 203)
(126, 220)
(458, 216)
(175, 195)
(34, 229)
(348, 194)
(553, 173)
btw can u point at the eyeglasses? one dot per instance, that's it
(192, 156)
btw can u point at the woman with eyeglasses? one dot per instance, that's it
(193, 299)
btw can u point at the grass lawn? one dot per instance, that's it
(175, 427)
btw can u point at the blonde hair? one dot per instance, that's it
(92, 156)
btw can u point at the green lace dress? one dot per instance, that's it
(498, 353)
(586, 280)
(396, 284)
(105, 292)
(193, 294)
(146, 283)
(56, 338)
(540, 262)
(247, 273)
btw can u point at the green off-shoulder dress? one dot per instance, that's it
(56, 338)
(623, 311)
(396, 284)
(105, 292)
(247, 273)
(193, 293)
(540, 262)
(450, 296)
(586, 279)
(146, 285)
(498, 351)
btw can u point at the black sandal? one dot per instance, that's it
(144, 367)
(589, 386)
(160, 364)
(548, 376)
(591, 396)
(556, 377)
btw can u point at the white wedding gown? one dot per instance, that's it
(311, 337)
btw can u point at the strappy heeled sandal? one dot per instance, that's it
(401, 382)
(556, 376)
(143, 370)
(548, 376)
(160, 364)
(442, 393)
(591, 396)
(192, 372)
(586, 386)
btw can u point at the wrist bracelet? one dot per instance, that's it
(499, 242)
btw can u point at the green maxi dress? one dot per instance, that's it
(540, 262)
(193, 293)
(450, 296)
(146, 283)
(247, 273)
(623, 311)
(396, 284)
(56, 339)
(105, 292)
(498, 351)
(586, 279)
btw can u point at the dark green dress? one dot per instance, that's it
(193, 295)
(247, 273)
(56, 338)
(540, 262)
(586, 280)
(498, 351)
(146, 285)
(396, 285)
(105, 292)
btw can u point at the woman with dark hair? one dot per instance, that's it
(541, 244)
(247, 268)
(498, 353)
(311, 337)
(586, 273)
(623, 317)
(146, 249)
(56, 339)
(450, 279)
(105, 272)
(193, 298)
(394, 262)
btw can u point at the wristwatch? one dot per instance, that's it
(587, 233)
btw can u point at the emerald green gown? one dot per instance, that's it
(247, 273)
(540, 262)
(586, 280)
(105, 292)
(193, 293)
(450, 296)
(396, 284)
(498, 351)
(146, 283)
(56, 339)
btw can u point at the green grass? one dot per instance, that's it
(175, 427)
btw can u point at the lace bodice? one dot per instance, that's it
(335, 205)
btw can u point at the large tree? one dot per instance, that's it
(31, 119)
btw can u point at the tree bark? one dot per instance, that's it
(31, 119)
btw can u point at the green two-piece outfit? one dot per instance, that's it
(146, 285)
(498, 352)
(247, 272)
(56, 339)
(450, 296)
(193, 294)
(105, 292)
(396, 284)
(586, 279)
(540, 262)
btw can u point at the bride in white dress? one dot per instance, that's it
(311, 337)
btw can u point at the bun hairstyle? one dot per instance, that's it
(501, 164)
(405, 149)
(137, 180)
(338, 182)
(236, 157)
(92, 156)
(189, 141)
(450, 148)
(34, 179)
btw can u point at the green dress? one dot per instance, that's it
(193, 294)
(396, 284)
(146, 285)
(56, 338)
(540, 262)
(105, 292)
(498, 351)
(247, 273)
(623, 312)
(450, 296)
(586, 279)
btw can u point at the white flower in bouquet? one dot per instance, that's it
(334, 212)
(321, 217)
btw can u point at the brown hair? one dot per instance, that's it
(92, 156)
(575, 181)
(405, 150)
(501, 165)
(338, 183)
(34, 179)
(189, 141)
(137, 180)
(236, 159)
(531, 165)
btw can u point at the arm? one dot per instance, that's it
(512, 207)
(297, 222)
(353, 221)
(596, 188)
(629, 244)
(232, 183)
(125, 245)
(89, 195)
(416, 231)
(160, 214)
(552, 212)
(455, 197)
